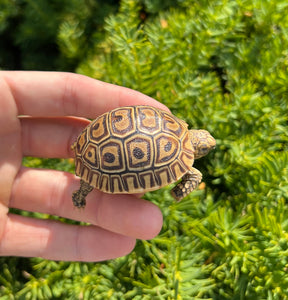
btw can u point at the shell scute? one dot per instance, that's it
(173, 125)
(90, 155)
(139, 152)
(95, 177)
(177, 169)
(186, 144)
(81, 142)
(131, 180)
(186, 159)
(163, 176)
(104, 183)
(167, 149)
(149, 120)
(111, 156)
(116, 184)
(122, 122)
(147, 180)
(98, 130)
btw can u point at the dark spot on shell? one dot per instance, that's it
(117, 119)
(168, 147)
(109, 157)
(138, 153)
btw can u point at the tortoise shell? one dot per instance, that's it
(133, 149)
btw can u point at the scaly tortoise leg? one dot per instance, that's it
(189, 182)
(78, 197)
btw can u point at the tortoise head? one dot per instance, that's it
(202, 141)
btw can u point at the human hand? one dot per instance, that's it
(35, 120)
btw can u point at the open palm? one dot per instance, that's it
(41, 114)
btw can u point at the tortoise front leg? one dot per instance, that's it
(78, 197)
(189, 182)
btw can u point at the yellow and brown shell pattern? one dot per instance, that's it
(133, 149)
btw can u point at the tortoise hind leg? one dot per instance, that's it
(78, 197)
(189, 182)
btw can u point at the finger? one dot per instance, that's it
(66, 94)
(50, 192)
(50, 137)
(58, 241)
(10, 146)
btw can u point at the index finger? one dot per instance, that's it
(66, 94)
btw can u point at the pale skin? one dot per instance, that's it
(58, 105)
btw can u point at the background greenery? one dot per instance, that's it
(219, 65)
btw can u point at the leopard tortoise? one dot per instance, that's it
(136, 149)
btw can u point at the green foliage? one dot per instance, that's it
(220, 65)
(50, 35)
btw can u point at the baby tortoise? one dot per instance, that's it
(135, 149)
